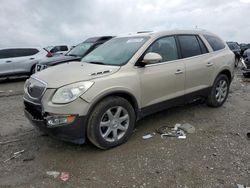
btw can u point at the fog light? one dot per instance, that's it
(55, 121)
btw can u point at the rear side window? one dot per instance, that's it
(215, 42)
(25, 52)
(189, 46)
(11, 53)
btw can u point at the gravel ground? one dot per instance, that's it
(216, 155)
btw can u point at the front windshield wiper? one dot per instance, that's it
(96, 62)
(72, 55)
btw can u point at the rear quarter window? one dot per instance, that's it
(215, 42)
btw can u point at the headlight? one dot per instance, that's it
(71, 92)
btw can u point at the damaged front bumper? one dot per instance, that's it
(69, 128)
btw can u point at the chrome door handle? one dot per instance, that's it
(8, 61)
(179, 71)
(209, 64)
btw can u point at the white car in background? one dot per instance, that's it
(19, 61)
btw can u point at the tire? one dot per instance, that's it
(218, 94)
(104, 113)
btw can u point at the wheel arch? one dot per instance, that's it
(124, 94)
(227, 73)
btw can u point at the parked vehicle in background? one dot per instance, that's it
(75, 54)
(125, 79)
(236, 50)
(243, 47)
(57, 50)
(19, 61)
(246, 63)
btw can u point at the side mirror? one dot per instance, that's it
(152, 57)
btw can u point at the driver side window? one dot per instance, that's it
(166, 47)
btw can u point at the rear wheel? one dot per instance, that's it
(111, 122)
(219, 92)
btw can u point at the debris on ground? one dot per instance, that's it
(187, 128)
(240, 186)
(175, 133)
(55, 174)
(28, 159)
(179, 130)
(148, 136)
(248, 135)
(8, 142)
(14, 156)
(64, 176)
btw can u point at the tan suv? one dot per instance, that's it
(127, 78)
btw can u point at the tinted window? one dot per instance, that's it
(80, 49)
(25, 52)
(63, 48)
(189, 46)
(215, 42)
(8, 53)
(11, 53)
(166, 47)
(202, 46)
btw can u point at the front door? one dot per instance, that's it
(164, 80)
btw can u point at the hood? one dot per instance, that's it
(58, 59)
(71, 72)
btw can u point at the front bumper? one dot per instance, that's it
(74, 132)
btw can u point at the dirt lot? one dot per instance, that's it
(216, 155)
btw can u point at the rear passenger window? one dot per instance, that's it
(25, 52)
(202, 45)
(189, 46)
(215, 42)
(166, 47)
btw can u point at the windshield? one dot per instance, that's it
(117, 51)
(80, 49)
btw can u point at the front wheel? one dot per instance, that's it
(219, 92)
(111, 122)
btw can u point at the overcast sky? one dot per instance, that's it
(53, 22)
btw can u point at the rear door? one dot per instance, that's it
(6, 61)
(199, 67)
(25, 59)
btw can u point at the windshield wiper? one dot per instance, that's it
(72, 55)
(96, 62)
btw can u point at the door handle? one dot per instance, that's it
(179, 71)
(209, 64)
(32, 58)
(8, 61)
